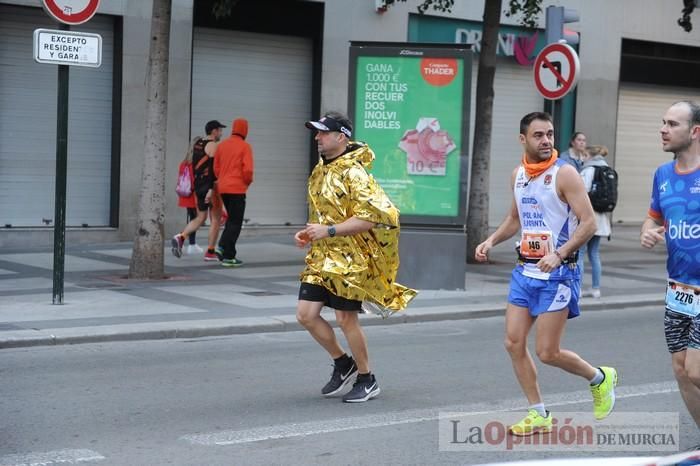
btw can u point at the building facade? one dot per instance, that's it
(279, 63)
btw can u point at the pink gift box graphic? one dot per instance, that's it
(427, 148)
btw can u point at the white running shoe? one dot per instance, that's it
(194, 249)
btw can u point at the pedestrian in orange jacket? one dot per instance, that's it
(233, 168)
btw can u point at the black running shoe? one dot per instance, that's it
(340, 378)
(363, 390)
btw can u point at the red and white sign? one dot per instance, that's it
(556, 71)
(71, 11)
(438, 71)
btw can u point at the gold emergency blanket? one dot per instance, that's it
(362, 267)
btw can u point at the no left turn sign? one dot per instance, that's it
(556, 71)
(71, 11)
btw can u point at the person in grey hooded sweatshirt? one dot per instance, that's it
(595, 158)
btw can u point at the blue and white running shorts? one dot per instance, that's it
(540, 296)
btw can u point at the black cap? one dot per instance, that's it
(212, 125)
(328, 123)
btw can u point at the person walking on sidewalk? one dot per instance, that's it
(552, 211)
(353, 231)
(189, 202)
(205, 191)
(674, 217)
(576, 153)
(595, 158)
(233, 168)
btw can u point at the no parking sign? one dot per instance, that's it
(556, 71)
(71, 11)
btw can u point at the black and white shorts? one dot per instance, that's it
(682, 331)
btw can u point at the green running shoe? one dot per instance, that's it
(231, 263)
(604, 393)
(531, 424)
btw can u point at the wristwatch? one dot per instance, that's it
(331, 231)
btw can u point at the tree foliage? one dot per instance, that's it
(529, 9)
(437, 5)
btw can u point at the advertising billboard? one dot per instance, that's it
(410, 103)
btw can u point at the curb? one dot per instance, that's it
(285, 323)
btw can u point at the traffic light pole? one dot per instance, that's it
(554, 108)
(556, 18)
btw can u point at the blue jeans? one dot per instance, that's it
(593, 248)
(581, 255)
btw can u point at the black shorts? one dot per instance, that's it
(202, 205)
(317, 293)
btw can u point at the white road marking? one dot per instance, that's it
(49, 458)
(303, 429)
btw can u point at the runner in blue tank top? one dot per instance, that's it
(553, 213)
(674, 217)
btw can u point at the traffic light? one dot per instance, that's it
(557, 17)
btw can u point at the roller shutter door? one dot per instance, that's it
(28, 92)
(515, 96)
(267, 80)
(640, 110)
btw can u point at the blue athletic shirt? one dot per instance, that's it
(675, 201)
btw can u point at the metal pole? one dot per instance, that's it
(554, 108)
(558, 124)
(59, 228)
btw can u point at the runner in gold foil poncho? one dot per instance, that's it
(361, 266)
(353, 231)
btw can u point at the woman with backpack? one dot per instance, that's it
(576, 153)
(205, 192)
(185, 194)
(595, 157)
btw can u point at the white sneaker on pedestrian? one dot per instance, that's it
(194, 249)
(595, 292)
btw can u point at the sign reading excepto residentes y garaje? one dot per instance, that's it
(67, 47)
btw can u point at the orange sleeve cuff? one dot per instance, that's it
(654, 214)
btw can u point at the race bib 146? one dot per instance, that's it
(536, 244)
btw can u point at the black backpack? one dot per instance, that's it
(603, 193)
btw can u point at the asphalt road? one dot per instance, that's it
(255, 399)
